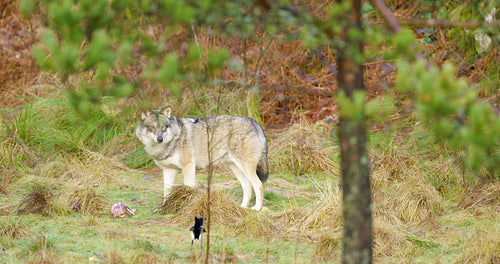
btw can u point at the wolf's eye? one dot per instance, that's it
(167, 125)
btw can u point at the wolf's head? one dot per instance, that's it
(156, 126)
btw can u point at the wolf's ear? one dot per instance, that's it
(146, 114)
(166, 112)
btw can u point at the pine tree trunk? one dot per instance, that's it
(357, 234)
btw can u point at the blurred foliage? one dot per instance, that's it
(473, 11)
(102, 38)
(455, 116)
(450, 106)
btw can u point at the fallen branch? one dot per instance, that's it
(298, 90)
(449, 23)
(387, 15)
(395, 25)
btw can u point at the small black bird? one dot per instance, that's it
(197, 230)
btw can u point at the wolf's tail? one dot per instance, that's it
(262, 169)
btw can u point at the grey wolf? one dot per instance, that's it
(197, 230)
(188, 144)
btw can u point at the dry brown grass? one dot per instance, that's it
(87, 201)
(186, 203)
(289, 191)
(328, 214)
(303, 223)
(146, 258)
(327, 246)
(58, 168)
(223, 257)
(387, 166)
(114, 256)
(178, 198)
(88, 169)
(13, 228)
(290, 219)
(487, 196)
(302, 149)
(3, 190)
(413, 204)
(386, 237)
(12, 156)
(91, 220)
(43, 257)
(483, 246)
(5, 209)
(257, 226)
(37, 199)
(97, 169)
(400, 192)
(42, 199)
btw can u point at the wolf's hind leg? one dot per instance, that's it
(245, 184)
(168, 180)
(250, 172)
(259, 191)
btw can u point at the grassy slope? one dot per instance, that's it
(414, 222)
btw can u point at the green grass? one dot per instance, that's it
(51, 126)
(132, 237)
(47, 145)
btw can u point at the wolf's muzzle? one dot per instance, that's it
(159, 139)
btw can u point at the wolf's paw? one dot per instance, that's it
(259, 208)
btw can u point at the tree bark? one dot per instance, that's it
(357, 234)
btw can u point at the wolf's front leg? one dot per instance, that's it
(168, 180)
(189, 171)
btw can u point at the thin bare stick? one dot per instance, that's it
(299, 90)
(210, 165)
(387, 15)
(325, 62)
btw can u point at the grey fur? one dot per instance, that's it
(183, 144)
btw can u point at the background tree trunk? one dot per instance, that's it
(357, 235)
